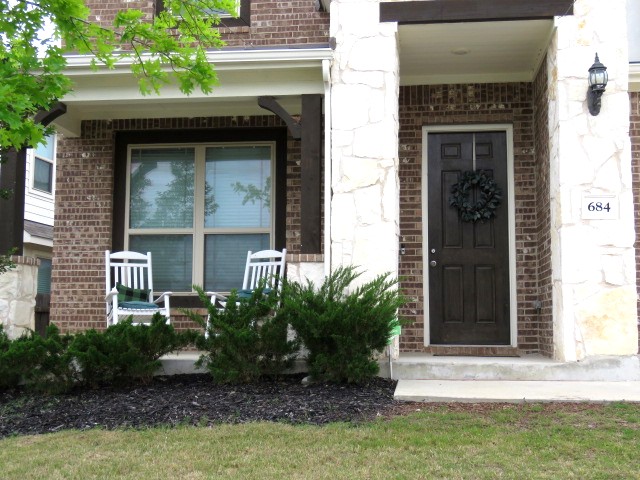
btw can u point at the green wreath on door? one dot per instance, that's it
(488, 200)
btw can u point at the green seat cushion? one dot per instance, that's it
(246, 293)
(128, 294)
(137, 305)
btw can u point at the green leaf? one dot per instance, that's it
(171, 48)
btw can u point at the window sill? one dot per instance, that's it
(305, 257)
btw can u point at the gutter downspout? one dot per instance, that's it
(326, 76)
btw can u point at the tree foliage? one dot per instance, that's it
(36, 34)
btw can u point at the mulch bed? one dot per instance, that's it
(196, 400)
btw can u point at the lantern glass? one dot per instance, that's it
(598, 78)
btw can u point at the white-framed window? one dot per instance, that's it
(198, 209)
(43, 166)
(241, 17)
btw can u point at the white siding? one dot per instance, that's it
(38, 205)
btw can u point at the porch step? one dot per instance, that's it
(184, 363)
(527, 368)
(180, 363)
(479, 391)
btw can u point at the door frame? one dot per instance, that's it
(511, 212)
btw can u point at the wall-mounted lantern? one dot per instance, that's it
(598, 79)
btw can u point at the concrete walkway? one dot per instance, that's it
(478, 391)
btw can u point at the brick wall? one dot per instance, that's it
(634, 132)
(82, 229)
(542, 323)
(456, 105)
(84, 212)
(272, 23)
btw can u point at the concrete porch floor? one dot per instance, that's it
(427, 378)
(479, 391)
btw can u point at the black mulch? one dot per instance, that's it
(196, 400)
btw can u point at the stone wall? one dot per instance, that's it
(364, 104)
(18, 288)
(593, 261)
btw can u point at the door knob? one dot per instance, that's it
(433, 263)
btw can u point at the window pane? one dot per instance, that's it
(238, 187)
(226, 257)
(161, 188)
(213, 11)
(43, 175)
(46, 150)
(44, 276)
(171, 257)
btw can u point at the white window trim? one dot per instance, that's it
(198, 230)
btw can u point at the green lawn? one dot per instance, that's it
(519, 441)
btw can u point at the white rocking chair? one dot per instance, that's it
(129, 287)
(264, 268)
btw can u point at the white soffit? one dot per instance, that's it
(475, 52)
(243, 76)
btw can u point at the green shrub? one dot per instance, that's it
(40, 363)
(9, 376)
(125, 353)
(342, 329)
(5, 260)
(245, 341)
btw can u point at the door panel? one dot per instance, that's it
(468, 262)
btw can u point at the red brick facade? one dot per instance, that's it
(272, 23)
(634, 133)
(544, 321)
(513, 104)
(85, 176)
(84, 211)
(85, 171)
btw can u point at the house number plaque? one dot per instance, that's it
(600, 207)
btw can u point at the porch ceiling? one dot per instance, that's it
(475, 52)
(244, 76)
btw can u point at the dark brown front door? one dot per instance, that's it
(468, 262)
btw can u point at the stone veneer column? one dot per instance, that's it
(594, 288)
(364, 76)
(18, 288)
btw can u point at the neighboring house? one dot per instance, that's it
(38, 222)
(395, 100)
(25, 289)
(38, 209)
